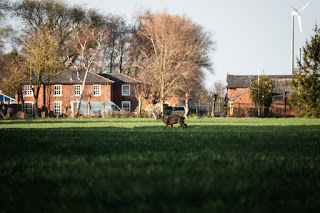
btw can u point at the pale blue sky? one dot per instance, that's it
(249, 34)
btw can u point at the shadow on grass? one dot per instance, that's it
(72, 120)
(223, 168)
(149, 138)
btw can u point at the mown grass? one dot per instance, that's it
(132, 165)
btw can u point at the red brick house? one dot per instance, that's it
(239, 95)
(61, 92)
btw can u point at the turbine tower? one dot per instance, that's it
(295, 13)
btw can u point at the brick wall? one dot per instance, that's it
(232, 92)
(47, 98)
(31, 98)
(68, 96)
(244, 98)
(117, 97)
(174, 101)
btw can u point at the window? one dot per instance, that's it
(57, 107)
(28, 90)
(57, 90)
(28, 108)
(77, 89)
(96, 90)
(126, 105)
(125, 90)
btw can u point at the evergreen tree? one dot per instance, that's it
(261, 91)
(306, 95)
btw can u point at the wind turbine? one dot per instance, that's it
(295, 13)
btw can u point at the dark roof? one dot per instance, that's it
(73, 76)
(119, 78)
(281, 83)
(34, 77)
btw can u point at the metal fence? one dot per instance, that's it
(220, 110)
(247, 110)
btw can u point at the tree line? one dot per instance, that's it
(168, 53)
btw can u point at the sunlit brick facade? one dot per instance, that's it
(64, 89)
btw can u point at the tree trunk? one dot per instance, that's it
(199, 107)
(20, 97)
(162, 97)
(36, 97)
(120, 63)
(89, 106)
(139, 106)
(162, 104)
(212, 109)
(112, 56)
(81, 92)
(36, 107)
(219, 106)
(49, 100)
(186, 105)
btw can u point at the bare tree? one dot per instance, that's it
(189, 88)
(4, 6)
(54, 16)
(141, 93)
(167, 46)
(115, 47)
(217, 93)
(86, 44)
(41, 56)
(11, 70)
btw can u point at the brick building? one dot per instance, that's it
(239, 95)
(60, 94)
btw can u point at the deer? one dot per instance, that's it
(172, 120)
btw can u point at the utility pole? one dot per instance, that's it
(292, 45)
(259, 92)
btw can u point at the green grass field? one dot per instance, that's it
(132, 165)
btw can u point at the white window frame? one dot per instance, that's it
(28, 90)
(25, 107)
(59, 103)
(128, 102)
(125, 92)
(74, 89)
(56, 91)
(96, 88)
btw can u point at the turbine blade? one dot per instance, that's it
(299, 20)
(304, 7)
(294, 9)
